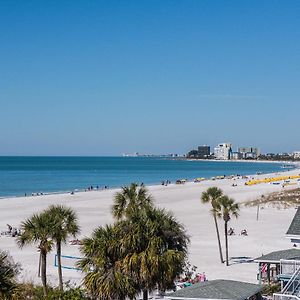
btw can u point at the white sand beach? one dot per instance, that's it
(93, 209)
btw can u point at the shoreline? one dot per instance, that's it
(79, 190)
(94, 210)
(248, 161)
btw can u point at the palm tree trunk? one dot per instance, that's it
(39, 271)
(60, 278)
(145, 294)
(218, 237)
(43, 271)
(226, 243)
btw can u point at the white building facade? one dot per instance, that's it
(296, 154)
(222, 151)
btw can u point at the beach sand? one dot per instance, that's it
(93, 209)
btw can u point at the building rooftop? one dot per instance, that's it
(276, 256)
(217, 289)
(294, 228)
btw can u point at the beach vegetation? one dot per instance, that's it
(29, 291)
(37, 230)
(64, 223)
(8, 272)
(227, 208)
(283, 199)
(102, 265)
(212, 195)
(144, 249)
(270, 289)
(131, 200)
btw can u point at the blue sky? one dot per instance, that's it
(107, 77)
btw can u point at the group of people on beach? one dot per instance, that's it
(11, 231)
(190, 280)
(165, 182)
(35, 194)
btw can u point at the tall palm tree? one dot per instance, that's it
(8, 272)
(212, 195)
(130, 204)
(130, 200)
(64, 223)
(228, 209)
(154, 243)
(37, 229)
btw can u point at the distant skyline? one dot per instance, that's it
(112, 77)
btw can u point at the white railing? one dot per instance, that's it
(291, 283)
(285, 297)
(289, 267)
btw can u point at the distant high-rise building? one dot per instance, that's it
(249, 152)
(203, 151)
(222, 151)
(296, 154)
(244, 150)
(235, 155)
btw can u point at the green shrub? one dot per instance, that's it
(8, 272)
(271, 288)
(29, 291)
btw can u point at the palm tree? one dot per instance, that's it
(127, 258)
(8, 272)
(154, 243)
(156, 250)
(130, 200)
(102, 265)
(64, 223)
(212, 195)
(146, 248)
(37, 229)
(228, 209)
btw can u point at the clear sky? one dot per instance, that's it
(106, 77)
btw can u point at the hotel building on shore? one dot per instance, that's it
(249, 152)
(296, 154)
(223, 151)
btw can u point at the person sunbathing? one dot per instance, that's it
(244, 232)
(9, 228)
(231, 231)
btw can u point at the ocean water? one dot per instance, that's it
(20, 175)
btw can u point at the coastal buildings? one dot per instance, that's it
(269, 265)
(290, 267)
(236, 156)
(249, 152)
(293, 232)
(201, 152)
(222, 151)
(296, 154)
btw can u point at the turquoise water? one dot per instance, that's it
(20, 175)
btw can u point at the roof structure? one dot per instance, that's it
(276, 256)
(294, 228)
(217, 289)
